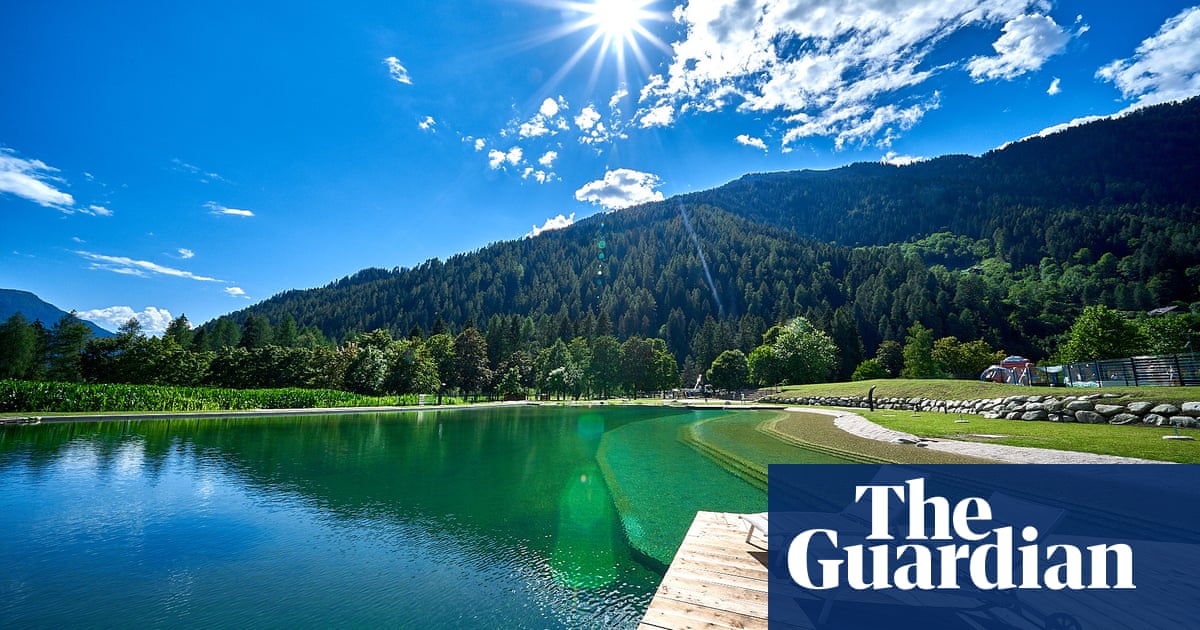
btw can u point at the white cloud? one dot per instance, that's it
(616, 98)
(548, 158)
(32, 180)
(852, 70)
(1055, 87)
(549, 108)
(751, 141)
(1028, 41)
(513, 157)
(533, 128)
(587, 118)
(184, 253)
(140, 268)
(427, 124)
(1049, 131)
(154, 320)
(480, 144)
(218, 209)
(397, 71)
(554, 223)
(204, 176)
(547, 121)
(594, 130)
(236, 292)
(894, 159)
(598, 135)
(537, 175)
(621, 188)
(659, 116)
(96, 211)
(1165, 67)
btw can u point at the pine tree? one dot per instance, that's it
(18, 347)
(180, 329)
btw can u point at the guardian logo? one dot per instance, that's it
(984, 546)
(918, 564)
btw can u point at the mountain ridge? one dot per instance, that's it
(34, 308)
(1101, 213)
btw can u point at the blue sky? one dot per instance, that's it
(167, 158)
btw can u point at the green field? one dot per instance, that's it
(35, 397)
(1126, 441)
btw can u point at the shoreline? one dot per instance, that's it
(127, 416)
(844, 419)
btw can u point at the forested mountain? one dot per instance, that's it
(1147, 160)
(1006, 247)
(33, 308)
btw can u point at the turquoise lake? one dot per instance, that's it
(508, 517)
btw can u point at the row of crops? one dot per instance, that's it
(35, 396)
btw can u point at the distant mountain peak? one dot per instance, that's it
(34, 308)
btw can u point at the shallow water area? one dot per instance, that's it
(499, 517)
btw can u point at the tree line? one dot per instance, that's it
(510, 360)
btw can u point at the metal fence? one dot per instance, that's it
(1168, 370)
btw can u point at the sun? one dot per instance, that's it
(614, 29)
(617, 20)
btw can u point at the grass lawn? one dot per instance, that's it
(1128, 441)
(947, 389)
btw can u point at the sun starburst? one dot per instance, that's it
(614, 28)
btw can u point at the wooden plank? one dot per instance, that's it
(715, 595)
(754, 572)
(715, 581)
(697, 573)
(684, 616)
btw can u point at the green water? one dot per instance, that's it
(502, 517)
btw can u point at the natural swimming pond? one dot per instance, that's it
(500, 517)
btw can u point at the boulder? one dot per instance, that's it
(1155, 419)
(1038, 414)
(1012, 415)
(1109, 410)
(1183, 421)
(1061, 417)
(1140, 408)
(1080, 405)
(1125, 418)
(1089, 417)
(1191, 409)
(1165, 409)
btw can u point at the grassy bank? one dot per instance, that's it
(946, 389)
(815, 430)
(1126, 441)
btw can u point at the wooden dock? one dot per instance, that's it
(717, 579)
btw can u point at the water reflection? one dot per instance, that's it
(442, 519)
(583, 549)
